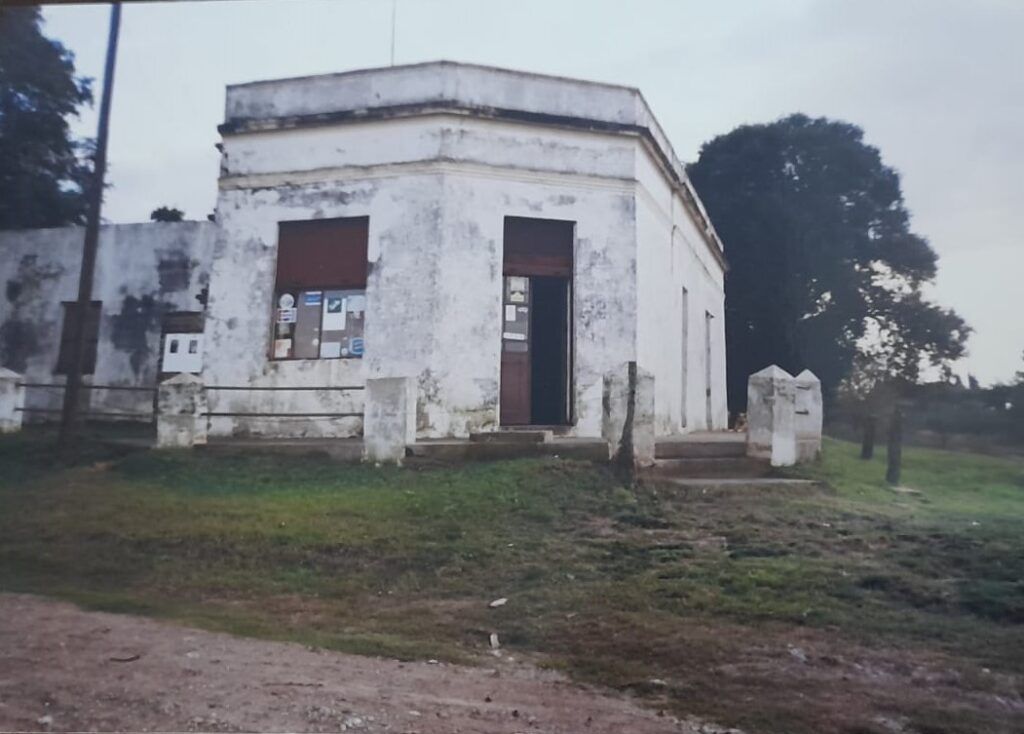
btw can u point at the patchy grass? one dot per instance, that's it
(824, 609)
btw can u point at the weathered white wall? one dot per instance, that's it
(604, 291)
(142, 271)
(437, 187)
(435, 252)
(674, 256)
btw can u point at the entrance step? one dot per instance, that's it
(710, 467)
(702, 446)
(514, 436)
(445, 449)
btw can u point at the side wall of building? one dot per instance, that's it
(142, 272)
(679, 277)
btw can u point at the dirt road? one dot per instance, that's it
(65, 669)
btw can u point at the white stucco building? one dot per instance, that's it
(507, 241)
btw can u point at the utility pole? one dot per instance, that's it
(73, 388)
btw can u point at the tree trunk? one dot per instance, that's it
(867, 446)
(892, 474)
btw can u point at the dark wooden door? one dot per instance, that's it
(515, 352)
(535, 382)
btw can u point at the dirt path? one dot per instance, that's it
(65, 669)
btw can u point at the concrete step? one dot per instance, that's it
(512, 436)
(714, 467)
(444, 450)
(697, 449)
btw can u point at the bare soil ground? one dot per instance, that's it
(63, 669)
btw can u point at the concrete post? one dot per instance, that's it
(771, 414)
(389, 418)
(628, 414)
(181, 420)
(809, 416)
(12, 400)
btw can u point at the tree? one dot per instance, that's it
(1015, 398)
(167, 214)
(824, 270)
(42, 169)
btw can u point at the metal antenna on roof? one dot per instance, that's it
(394, 12)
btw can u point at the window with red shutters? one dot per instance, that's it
(320, 292)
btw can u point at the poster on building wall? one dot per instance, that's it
(282, 348)
(355, 304)
(334, 313)
(286, 315)
(518, 288)
(330, 350)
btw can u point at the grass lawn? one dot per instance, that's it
(847, 607)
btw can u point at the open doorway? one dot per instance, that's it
(549, 353)
(536, 354)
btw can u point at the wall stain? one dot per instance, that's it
(130, 328)
(20, 335)
(429, 390)
(175, 272)
(18, 341)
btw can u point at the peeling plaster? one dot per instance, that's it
(142, 270)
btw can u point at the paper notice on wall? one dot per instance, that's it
(355, 304)
(286, 315)
(282, 348)
(330, 350)
(510, 313)
(512, 336)
(312, 298)
(334, 314)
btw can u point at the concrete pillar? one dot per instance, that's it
(622, 430)
(771, 414)
(12, 400)
(389, 418)
(181, 407)
(809, 416)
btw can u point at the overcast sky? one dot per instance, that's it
(937, 85)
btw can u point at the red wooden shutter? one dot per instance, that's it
(322, 253)
(538, 247)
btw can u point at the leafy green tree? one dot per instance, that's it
(167, 214)
(824, 270)
(43, 171)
